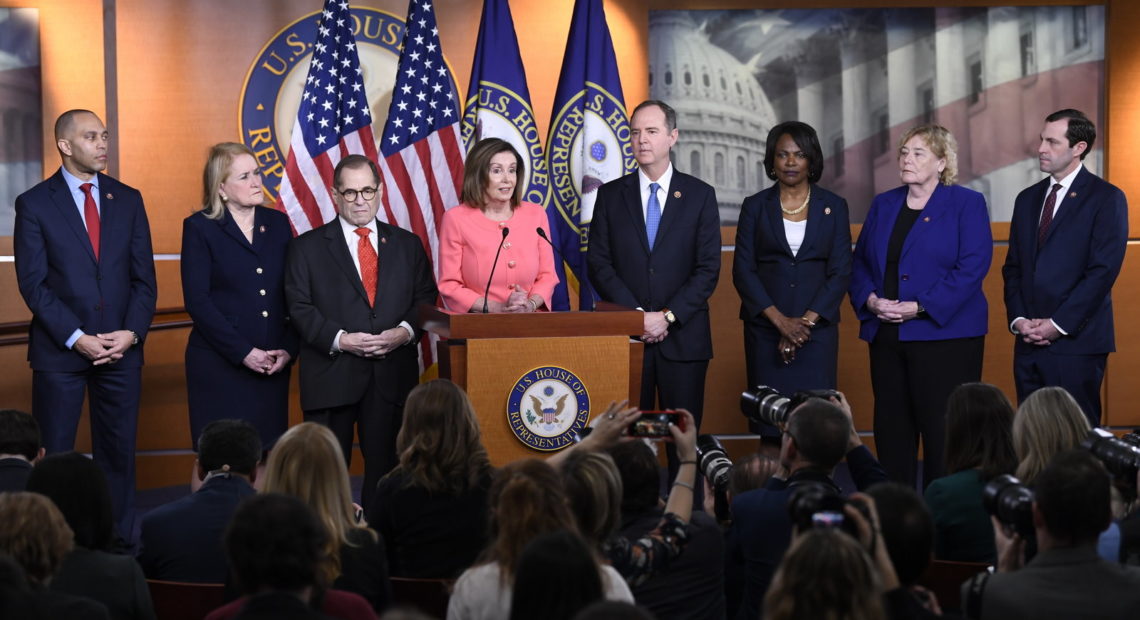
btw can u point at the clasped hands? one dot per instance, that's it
(519, 301)
(1040, 332)
(266, 362)
(656, 327)
(794, 333)
(373, 346)
(104, 348)
(892, 310)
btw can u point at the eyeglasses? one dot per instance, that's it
(367, 193)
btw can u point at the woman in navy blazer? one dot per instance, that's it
(233, 270)
(791, 267)
(916, 286)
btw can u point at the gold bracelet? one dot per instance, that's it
(678, 483)
(809, 322)
(533, 305)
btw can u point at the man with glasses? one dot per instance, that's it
(353, 287)
(818, 436)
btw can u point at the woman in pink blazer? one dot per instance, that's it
(492, 215)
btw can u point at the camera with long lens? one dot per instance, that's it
(1132, 438)
(714, 463)
(1011, 502)
(1121, 457)
(816, 505)
(766, 405)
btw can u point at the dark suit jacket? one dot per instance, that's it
(1070, 277)
(64, 286)
(324, 295)
(115, 580)
(14, 474)
(1062, 583)
(182, 540)
(944, 260)
(679, 274)
(227, 282)
(765, 271)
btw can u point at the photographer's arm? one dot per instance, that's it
(606, 431)
(865, 469)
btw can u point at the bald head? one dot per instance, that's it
(82, 142)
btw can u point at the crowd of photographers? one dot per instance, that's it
(1039, 502)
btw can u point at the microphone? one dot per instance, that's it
(487, 292)
(561, 257)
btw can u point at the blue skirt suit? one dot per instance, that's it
(766, 273)
(940, 264)
(234, 292)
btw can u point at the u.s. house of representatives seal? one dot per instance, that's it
(548, 407)
(272, 90)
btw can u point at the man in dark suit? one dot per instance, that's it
(19, 448)
(182, 540)
(353, 287)
(655, 246)
(1066, 245)
(1071, 507)
(86, 271)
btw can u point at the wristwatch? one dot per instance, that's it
(669, 316)
(134, 339)
(921, 311)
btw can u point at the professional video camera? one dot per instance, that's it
(767, 405)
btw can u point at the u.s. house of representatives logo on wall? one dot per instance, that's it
(547, 407)
(272, 90)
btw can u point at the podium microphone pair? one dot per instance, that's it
(541, 233)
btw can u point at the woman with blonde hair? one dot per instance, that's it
(1048, 422)
(432, 508)
(527, 500)
(307, 463)
(916, 286)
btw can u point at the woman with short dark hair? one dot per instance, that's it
(791, 268)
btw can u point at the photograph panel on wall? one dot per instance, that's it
(863, 77)
(21, 115)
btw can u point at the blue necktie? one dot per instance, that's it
(652, 214)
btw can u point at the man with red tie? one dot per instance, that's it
(353, 287)
(1066, 245)
(86, 271)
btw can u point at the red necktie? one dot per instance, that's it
(1047, 215)
(367, 255)
(91, 215)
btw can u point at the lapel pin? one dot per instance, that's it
(383, 240)
(109, 196)
(827, 210)
(261, 229)
(926, 219)
(1072, 194)
(676, 194)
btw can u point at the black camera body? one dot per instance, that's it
(817, 505)
(1120, 456)
(1011, 502)
(767, 405)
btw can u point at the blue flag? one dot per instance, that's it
(588, 143)
(498, 101)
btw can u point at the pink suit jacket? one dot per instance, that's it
(467, 244)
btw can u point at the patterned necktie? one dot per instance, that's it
(1047, 215)
(91, 217)
(367, 255)
(652, 214)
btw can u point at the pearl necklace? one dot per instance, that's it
(801, 208)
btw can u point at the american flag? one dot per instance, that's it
(332, 122)
(422, 152)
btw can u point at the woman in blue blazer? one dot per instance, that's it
(233, 270)
(791, 267)
(916, 286)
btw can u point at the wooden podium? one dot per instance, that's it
(487, 354)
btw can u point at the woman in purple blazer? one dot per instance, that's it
(916, 286)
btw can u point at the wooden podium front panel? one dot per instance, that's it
(494, 365)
